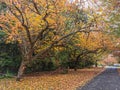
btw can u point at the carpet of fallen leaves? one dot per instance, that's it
(51, 80)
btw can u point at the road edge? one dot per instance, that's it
(80, 87)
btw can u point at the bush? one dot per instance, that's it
(9, 57)
(6, 75)
(8, 63)
(40, 65)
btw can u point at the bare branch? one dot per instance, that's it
(36, 7)
(22, 22)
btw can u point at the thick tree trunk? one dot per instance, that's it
(76, 64)
(21, 71)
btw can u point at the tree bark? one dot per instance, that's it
(75, 69)
(21, 71)
(96, 63)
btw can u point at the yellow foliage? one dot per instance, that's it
(93, 40)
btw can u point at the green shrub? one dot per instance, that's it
(7, 75)
(40, 65)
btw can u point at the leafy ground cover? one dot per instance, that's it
(51, 80)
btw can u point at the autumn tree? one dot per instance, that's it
(40, 25)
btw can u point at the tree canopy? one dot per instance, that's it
(45, 28)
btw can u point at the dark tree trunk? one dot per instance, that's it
(75, 69)
(96, 64)
(76, 65)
